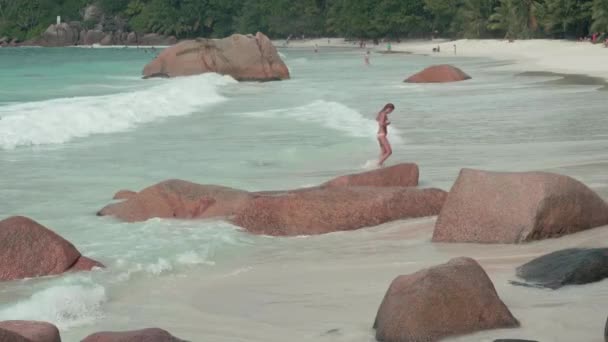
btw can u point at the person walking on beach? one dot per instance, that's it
(366, 58)
(385, 146)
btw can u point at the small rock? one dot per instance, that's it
(144, 335)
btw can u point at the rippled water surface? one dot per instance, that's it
(76, 125)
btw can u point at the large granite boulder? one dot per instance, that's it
(325, 210)
(27, 249)
(32, 331)
(511, 207)
(63, 34)
(108, 39)
(178, 199)
(245, 58)
(451, 299)
(574, 266)
(144, 335)
(438, 74)
(405, 174)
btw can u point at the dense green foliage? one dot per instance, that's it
(350, 18)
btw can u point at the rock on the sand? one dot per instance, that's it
(32, 331)
(178, 199)
(63, 34)
(455, 298)
(144, 335)
(574, 266)
(27, 249)
(325, 210)
(245, 58)
(514, 207)
(405, 174)
(439, 74)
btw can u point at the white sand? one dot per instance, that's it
(528, 55)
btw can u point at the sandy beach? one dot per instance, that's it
(560, 56)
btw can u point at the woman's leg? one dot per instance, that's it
(386, 147)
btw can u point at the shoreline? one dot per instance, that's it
(557, 56)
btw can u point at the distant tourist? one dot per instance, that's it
(454, 49)
(366, 58)
(316, 48)
(385, 146)
(388, 47)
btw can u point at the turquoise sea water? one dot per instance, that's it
(79, 124)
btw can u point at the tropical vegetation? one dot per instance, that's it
(350, 18)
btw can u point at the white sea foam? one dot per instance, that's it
(332, 115)
(60, 120)
(63, 305)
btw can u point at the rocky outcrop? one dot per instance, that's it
(178, 199)
(154, 39)
(439, 74)
(93, 37)
(325, 210)
(455, 298)
(144, 335)
(398, 175)
(32, 331)
(566, 267)
(245, 58)
(504, 207)
(63, 34)
(27, 249)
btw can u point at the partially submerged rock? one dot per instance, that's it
(325, 210)
(27, 249)
(514, 207)
(245, 58)
(405, 174)
(178, 199)
(124, 194)
(32, 331)
(451, 299)
(566, 267)
(144, 335)
(439, 74)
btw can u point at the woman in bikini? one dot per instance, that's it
(385, 146)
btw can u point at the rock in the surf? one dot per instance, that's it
(124, 194)
(178, 199)
(9, 336)
(27, 249)
(325, 210)
(574, 266)
(144, 335)
(245, 58)
(32, 331)
(439, 74)
(514, 207)
(451, 299)
(405, 174)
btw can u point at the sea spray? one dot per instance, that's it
(60, 120)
